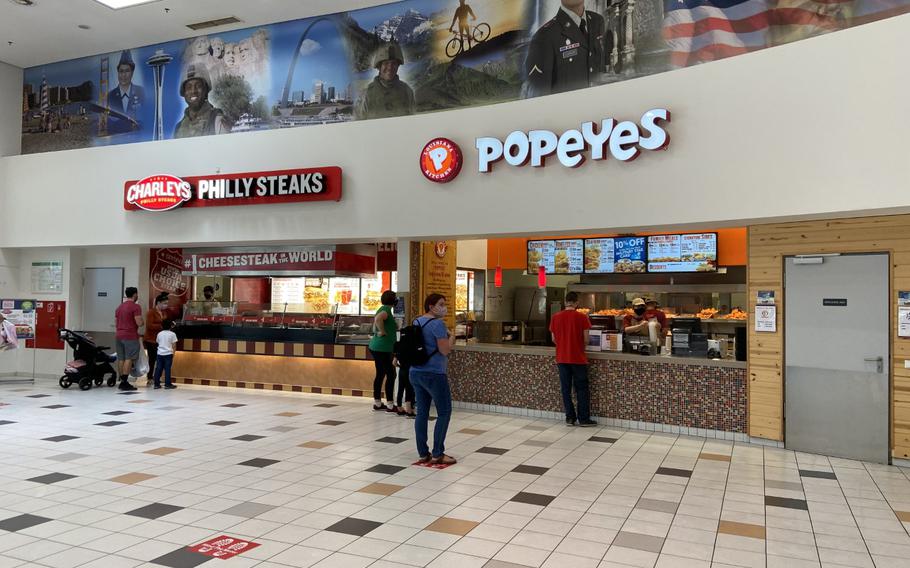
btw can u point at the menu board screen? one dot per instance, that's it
(600, 256)
(557, 257)
(621, 254)
(683, 253)
(630, 255)
(541, 253)
(568, 256)
(345, 294)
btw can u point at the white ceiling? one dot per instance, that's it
(48, 31)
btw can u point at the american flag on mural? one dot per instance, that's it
(697, 31)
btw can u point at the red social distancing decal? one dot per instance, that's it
(224, 547)
(441, 160)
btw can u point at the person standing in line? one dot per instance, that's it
(129, 319)
(430, 382)
(405, 398)
(153, 319)
(569, 330)
(167, 345)
(385, 331)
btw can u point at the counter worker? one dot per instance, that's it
(639, 323)
(208, 303)
(653, 312)
(569, 330)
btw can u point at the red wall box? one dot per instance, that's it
(51, 317)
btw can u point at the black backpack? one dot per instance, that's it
(410, 348)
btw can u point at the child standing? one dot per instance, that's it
(167, 344)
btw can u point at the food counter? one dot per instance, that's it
(701, 394)
(274, 348)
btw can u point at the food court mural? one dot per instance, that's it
(407, 57)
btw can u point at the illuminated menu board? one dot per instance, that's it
(568, 256)
(557, 257)
(683, 253)
(616, 255)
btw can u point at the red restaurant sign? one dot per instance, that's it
(165, 192)
(328, 260)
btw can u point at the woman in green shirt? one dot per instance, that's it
(382, 344)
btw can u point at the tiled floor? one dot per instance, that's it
(319, 481)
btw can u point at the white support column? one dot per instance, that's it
(404, 266)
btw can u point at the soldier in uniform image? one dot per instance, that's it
(387, 95)
(567, 52)
(200, 118)
(126, 98)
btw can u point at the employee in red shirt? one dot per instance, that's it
(569, 330)
(652, 312)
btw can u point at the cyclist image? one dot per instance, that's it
(461, 16)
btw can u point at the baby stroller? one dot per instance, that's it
(91, 363)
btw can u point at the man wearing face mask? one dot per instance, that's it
(640, 323)
(387, 95)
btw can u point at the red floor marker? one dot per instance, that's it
(224, 547)
(433, 465)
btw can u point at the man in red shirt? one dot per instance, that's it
(569, 330)
(129, 320)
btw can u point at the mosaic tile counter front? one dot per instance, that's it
(645, 390)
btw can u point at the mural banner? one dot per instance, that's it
(397, 59)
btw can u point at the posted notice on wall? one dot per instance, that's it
(766, 318)
(903, 321)
(47, 277)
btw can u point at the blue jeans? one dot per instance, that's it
(163, 363)
(575, 376)
(431, 387)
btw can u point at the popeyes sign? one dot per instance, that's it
(164, 192)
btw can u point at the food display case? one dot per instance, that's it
(256, 322)
(355, 330)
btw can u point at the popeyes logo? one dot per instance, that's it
(441, 160)
(159, 193)
(442, 247)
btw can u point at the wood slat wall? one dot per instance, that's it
(768, 245)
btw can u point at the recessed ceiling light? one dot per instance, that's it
(23, 2)
(84, 27)
(118, 4)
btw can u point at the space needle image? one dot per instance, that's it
(158, 62)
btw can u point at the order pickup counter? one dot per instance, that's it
(676, 393)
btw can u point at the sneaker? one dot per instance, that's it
(424, 459)
(170, 387)
(392, 409)
(587, 423)
(444, 460)
(157, 387)
(380, 407)
(570, 422)
(126, 386)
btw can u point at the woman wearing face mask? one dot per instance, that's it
(639, 323)
(431, 383)
(153, 321)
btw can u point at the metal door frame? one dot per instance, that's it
(84, 302)
(889, 363)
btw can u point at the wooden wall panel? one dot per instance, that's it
(768, 245)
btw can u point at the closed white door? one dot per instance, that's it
(837, 356)
(102, 293)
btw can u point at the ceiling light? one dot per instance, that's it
(23, 2)
(84, 27)
(118, 4)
